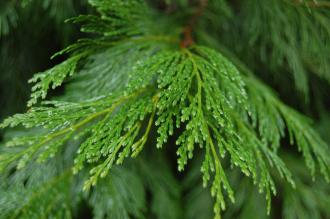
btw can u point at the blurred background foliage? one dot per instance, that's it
(261, 34)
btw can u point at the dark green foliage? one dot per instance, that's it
(120, 195)
(132, 87)
(8, 17)
(295, 39)
(14, 12)
(51, 183)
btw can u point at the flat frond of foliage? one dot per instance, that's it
(197, 90)
(185, 96)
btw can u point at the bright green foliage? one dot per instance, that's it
(134, 80)
(52, 78)
(112, 64)
(119, 45)
(115, 122)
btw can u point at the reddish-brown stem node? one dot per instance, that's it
(188, 39)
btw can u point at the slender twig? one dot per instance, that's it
(187, 31)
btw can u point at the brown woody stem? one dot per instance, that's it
(187, 31)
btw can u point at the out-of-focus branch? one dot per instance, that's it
(312, 4)
(187, 31)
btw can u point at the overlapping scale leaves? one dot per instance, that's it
(203, 92)
(197, 90)
(136, 81)
(126, 34)
(113, 126)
